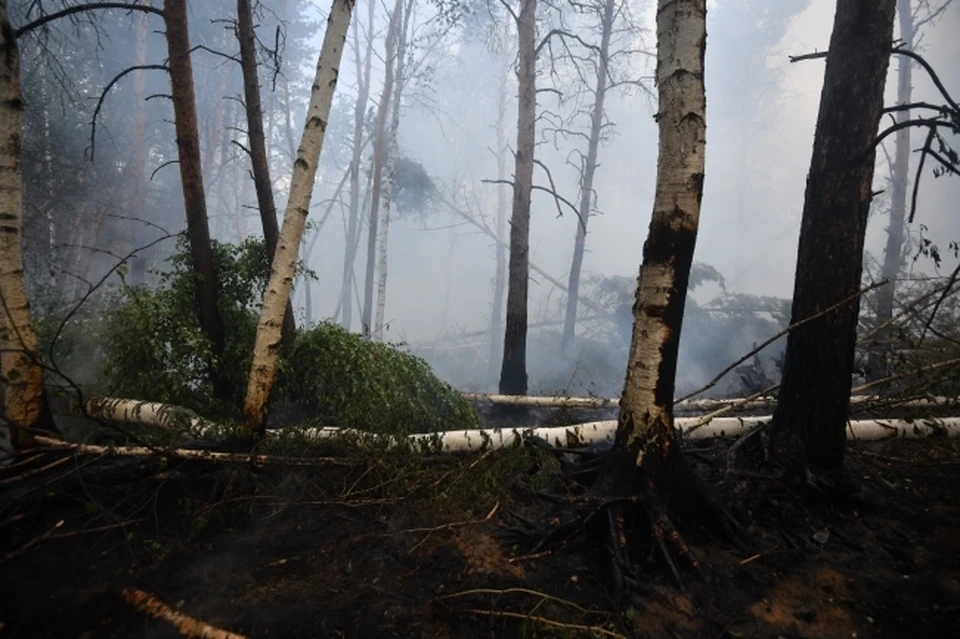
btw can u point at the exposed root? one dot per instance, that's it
(623, 504)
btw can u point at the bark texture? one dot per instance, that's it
(646, 406)
(258, 150)
(206, 282)
(24, 406)
(815, 391)
(267, 345)
(586, 181)
(899, 179)
(513, 372)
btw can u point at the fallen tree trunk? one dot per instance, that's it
(133, 411)
(588, 433)
(690, 405)
(187, 626)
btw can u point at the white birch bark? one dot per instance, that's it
(266, 347)
(21, 376)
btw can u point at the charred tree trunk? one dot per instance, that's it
(266, 347)
(258, 151)
(892, 257)
(25, 407)
(586, 183)
(513, 372)
(345, 303)
(378, 161)
(206, 282)
(815, 392)
(500, 275)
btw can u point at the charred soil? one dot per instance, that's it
(398, 546)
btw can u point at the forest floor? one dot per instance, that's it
(390, 546)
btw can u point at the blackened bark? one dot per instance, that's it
(513, 372)
(815, 391)
(206, 282)
(258, 152)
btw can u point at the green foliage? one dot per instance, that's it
(150, 347)
(349, 382)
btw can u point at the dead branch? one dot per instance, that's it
(39, 22)
(187, 626)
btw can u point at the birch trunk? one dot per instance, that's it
(24, 405)
(266, 347)
(645, 429)
(258, 151)
(345, 303)
(394, 126)
(500, 276)
(586, 183)
(810, 418)
(378, 162)
(206, 282)
(899, 178)
(513, 372)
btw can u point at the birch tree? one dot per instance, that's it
(589, 171)
(24, 406)
(362, 63)
(269, 328)
(390, 185)
(378, 161)
(811, 416)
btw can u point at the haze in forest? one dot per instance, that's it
(761, 113)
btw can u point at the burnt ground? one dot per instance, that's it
(391, 546)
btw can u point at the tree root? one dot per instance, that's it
(622, 504)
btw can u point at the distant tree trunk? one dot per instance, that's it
(378, 162)
(24, 405)
(138, 157)
(892, 258)
(223, 207)
(213, 135)
(206, 282)
(388, 188)
(814, 396)
(258, 151)
(345, 303)
(513, 372)
(266, 347)
(500, 275)
(586, 182)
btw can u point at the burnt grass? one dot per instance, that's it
(393, 545)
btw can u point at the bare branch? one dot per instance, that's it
(39, 22)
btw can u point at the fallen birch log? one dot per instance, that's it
(187, 626)
(605, 431)
(690, 405)
(169, 417)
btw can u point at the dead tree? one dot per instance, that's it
(899, 180)
(810, 419)
(513, 371)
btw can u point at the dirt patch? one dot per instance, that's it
(380, 550)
